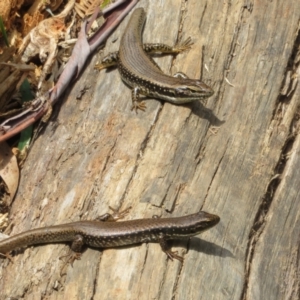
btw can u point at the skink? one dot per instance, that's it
(101, 234)
(139, 71)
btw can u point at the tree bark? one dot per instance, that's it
(235, 155)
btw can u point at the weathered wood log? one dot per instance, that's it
(235, 155)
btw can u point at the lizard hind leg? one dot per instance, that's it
(75, 250)
(109, 60)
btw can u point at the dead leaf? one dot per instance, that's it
(3, 223)
(9, 173)
(85, 8)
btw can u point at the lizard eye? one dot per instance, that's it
(182, 91)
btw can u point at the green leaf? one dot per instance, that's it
(26, 134)
(104, 3)
(3, 31)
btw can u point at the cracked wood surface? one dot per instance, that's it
(170, 161)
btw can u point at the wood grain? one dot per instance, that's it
(235, 155)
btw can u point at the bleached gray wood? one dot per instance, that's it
(172, 160)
